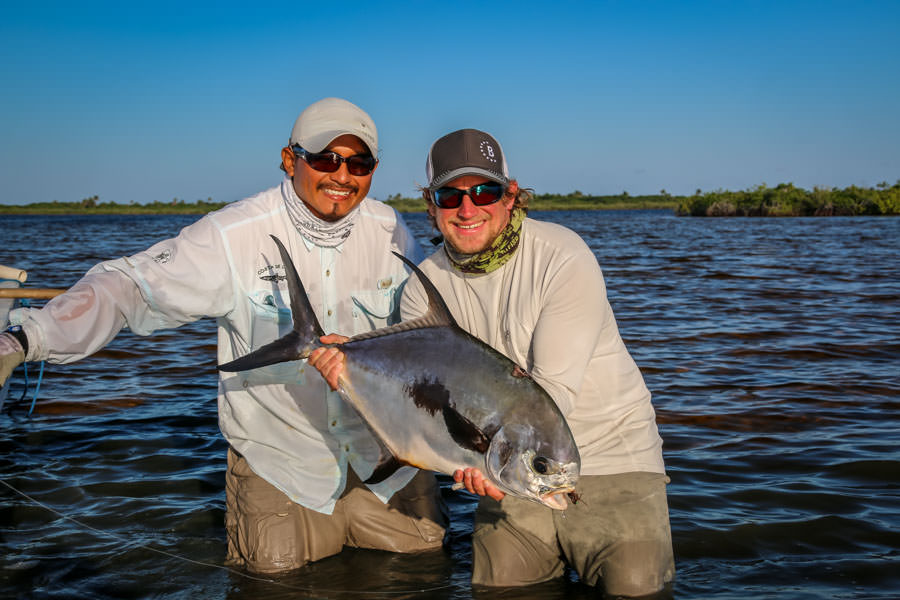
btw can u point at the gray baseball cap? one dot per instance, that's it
(329, 118)
(465, 152)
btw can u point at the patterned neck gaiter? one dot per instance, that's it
(494, 256)
(328, 234)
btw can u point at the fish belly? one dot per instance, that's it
(414, 435)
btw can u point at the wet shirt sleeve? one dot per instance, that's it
(174, 282)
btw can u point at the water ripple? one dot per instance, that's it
(770, 346)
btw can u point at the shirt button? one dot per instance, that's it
(347, 448)
(327, 272)
(246, 384)
(334, 423)
(329, 312)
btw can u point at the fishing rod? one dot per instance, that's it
(30, 293)
(18, 277)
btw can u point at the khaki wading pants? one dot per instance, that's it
(617, 532)
(269, 533)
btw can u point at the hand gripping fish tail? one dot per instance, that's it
(476, 410)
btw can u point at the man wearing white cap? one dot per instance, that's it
(534, 291)
(296, 451)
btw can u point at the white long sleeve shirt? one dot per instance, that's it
(546, 309)
(293, 431)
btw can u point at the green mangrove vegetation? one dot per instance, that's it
(786, 200)
(783, 200)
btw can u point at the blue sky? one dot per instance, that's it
(152, 102)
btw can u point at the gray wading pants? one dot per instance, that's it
(618, 532)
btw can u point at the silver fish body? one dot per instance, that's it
(439, 399)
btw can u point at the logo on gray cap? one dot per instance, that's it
(487, 150)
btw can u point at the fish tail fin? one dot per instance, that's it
(299, 342)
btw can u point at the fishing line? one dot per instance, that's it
(310, 590)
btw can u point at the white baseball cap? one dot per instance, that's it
(329, 118)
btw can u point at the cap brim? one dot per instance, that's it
(460, 172)
(318, 142)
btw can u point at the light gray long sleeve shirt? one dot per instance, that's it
(546, 309)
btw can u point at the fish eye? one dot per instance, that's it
(540, 464)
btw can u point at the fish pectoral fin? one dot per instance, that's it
(387, 466)
(464, 432)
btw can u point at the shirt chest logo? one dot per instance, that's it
(271, 273)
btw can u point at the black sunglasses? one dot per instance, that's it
(481, 195)
(329, 162)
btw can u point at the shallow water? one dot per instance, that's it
(770, 345)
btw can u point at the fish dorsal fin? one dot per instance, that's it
(437, 308)
(438, 314)
(418, 323)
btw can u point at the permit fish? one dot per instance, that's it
(437, 398)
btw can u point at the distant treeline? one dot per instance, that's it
(93, 206)
(784, 200)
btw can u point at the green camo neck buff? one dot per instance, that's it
(494, 256)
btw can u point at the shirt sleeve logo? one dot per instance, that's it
(163, 257)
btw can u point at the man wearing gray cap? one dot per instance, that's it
(534, 291)
(296, 450)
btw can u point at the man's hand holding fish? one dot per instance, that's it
(329, 361)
